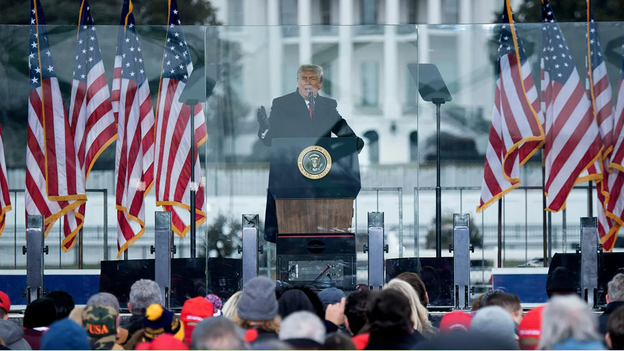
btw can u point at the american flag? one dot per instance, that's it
(90, 111)
(5, 197)
(516, 131)
(599, 91)
(616, 167)
(173, 141)
(132, 107)
(573, 142)
(54, 183)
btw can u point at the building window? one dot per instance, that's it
(372, 144)
(370, 83)
(414, 146)
(325, 12)
(368, 11)
(327, 79)
(450, 11)
(288, 12)
(411, 91)
(235, 12)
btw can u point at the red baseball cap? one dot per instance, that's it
(530, 329)
(456, 320)
(5, 303)
(194, 311)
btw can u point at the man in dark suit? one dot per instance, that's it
(300, 114)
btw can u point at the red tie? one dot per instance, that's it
(310, 109)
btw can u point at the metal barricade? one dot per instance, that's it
(589, 260)
(250, 246)
(375, 249)
(163, 249)
(461, 260)
(34, 251)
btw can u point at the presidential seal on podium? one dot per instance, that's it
(314, 162)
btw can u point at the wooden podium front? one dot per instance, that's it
(327, 215)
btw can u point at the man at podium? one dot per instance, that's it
(300, 114)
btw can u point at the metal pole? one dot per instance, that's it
(590, 201)
(564, 233)
(105, 224)
(162, 248)
(438, 188)
(544, 229)
(15, 231)
(375, 249)
(193, 190)
(500, 233)
(549, 251)
(80, 249)
(34, 251)
(400, 222)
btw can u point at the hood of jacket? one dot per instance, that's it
(10, 332)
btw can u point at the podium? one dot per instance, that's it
(314, 182)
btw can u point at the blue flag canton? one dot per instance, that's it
(88, 48)
(506, 40)
(177, 58)
(128, 48)
(555, 52)
(594, 43)
(39, 58)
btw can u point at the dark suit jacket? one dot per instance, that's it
(290, 118)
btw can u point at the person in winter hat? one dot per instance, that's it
(257, 310)
(159, 320)
(65, 334)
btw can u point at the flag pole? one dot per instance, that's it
(544, 234)
(500, 233)
(192, 186)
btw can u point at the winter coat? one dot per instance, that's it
(13, 336)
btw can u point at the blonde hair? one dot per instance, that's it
(420, 315)
(272, 325)
(230, 306)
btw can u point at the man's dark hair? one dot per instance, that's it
(389, 311)
(510, 302)
(615, 328)
(414, 280)
(2, 313)
(338, 341)
(355, 310)
(63, 302)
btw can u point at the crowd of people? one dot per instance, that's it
(265, 317)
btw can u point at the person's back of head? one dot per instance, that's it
(5, 305)
(355, 310)
(420, 315)
(231, 305)
(560, 282)
(509, 302)
(294, 301)
(143, 293)
(417, 284)
(494, 323)
(388, 311)
(104, 299)
(338, 341)
(65, 334)
(302, 325)
(567, 317)
(63, 302)
(615, 288)
(615, 330)
(40, 313)
(530, 329)
(218, 333)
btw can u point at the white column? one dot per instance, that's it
(434, 11)
(305, 32)
(254, 46)
(345, 60)
(391, 103)
(275, 49)
(465, 55)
